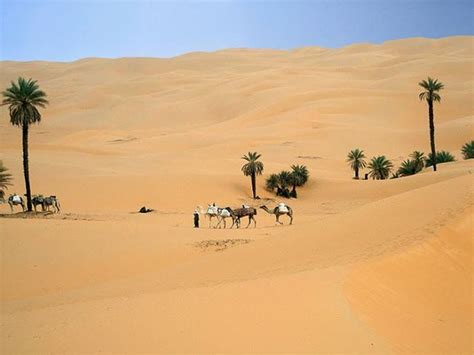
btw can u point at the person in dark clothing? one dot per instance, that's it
(196, 218)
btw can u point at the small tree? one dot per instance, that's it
(355, 158)
(380, 167)
(467, 150)
(407, 167)
(5, 180)
(419, 159)
(299, 177)
(441, 157)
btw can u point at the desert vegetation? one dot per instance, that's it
(441, 157)
(356, 160)
(431, 95)
(23, 99)
(380, 167)
(5, 180)
(252, 168)
(284, 180)
(467, 150)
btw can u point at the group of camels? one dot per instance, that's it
(222, 214)
(37, 200)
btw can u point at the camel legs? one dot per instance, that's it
(291, 218)
(11, 206)
(250, 220)
(278, 219)
(221, 219)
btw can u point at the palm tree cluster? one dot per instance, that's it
(23, 99)
(467, 150)
(379, 166)
(252, 168)
(283, 181)
(5, 180)
(412, 166)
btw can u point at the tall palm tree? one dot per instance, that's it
(380, 167)
(252, 168)
(432, 87)
(23, 99)
(299, 177)
(355, 158)
(5, 180)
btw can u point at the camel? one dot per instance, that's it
(51, 201)
(244, 211)
(278, 211)
(223, 214)
(211, 212)
(14, 200)
(37, 200)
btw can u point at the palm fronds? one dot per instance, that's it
(380, 167)
(467, 150)
(441, 157)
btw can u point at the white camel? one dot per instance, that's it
(15, 200)
(211, 212)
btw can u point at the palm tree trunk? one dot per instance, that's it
(357, 173)
(293, 192)
(26, 169)
(432, 132)
(254, 185)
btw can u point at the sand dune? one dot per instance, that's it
(368, 266)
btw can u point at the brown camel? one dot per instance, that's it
(238, 213)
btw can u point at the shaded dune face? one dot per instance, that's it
(367, 266)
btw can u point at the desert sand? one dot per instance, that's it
(382, 267)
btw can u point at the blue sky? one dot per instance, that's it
(64, 30)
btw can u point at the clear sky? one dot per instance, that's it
(64, 30)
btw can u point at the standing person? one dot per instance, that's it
(196, 218)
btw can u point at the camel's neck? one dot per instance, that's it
(267, 210)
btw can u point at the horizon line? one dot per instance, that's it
(235, 49)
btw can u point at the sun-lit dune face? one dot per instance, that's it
(362, 261)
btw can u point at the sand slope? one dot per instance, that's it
(368, 266)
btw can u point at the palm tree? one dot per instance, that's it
(431, 86)
(272, 182)
(468, 150)
(441, 157)
(285, 180)
(380, 167)
(5, 180)
(407, 167)
(419, 159)
(299, 177)
(355, 158)
(23, 99)
(252, 168)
